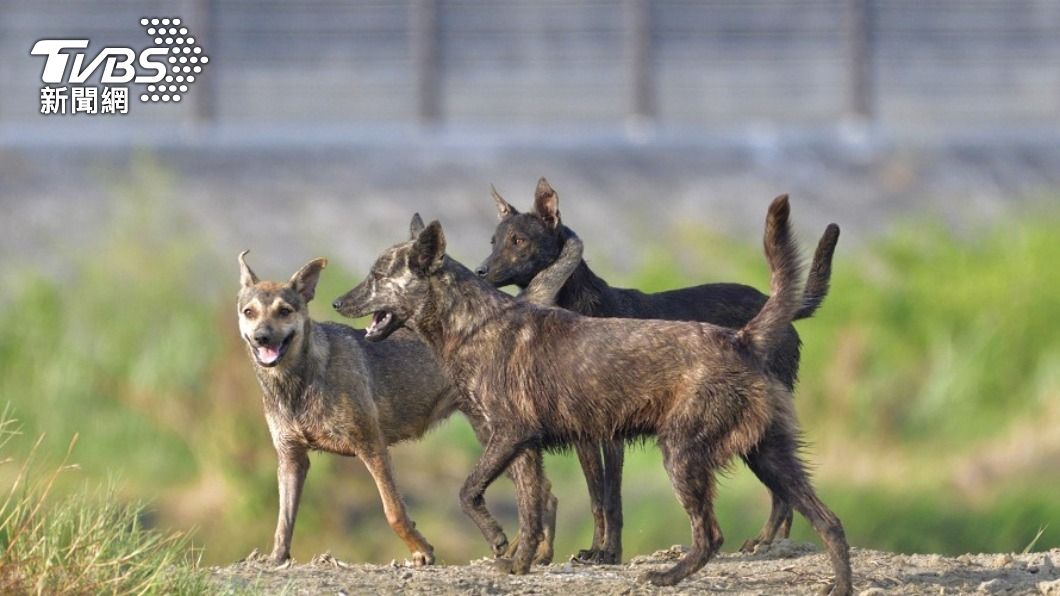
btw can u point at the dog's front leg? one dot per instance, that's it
(500, 450)
(483, 432)
(589, 458)
(378, 463)
(291, 473)
(530, 492)
(614, 458)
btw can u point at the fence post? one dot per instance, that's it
(861, 90)
(425, 58)
(641, 61)
(204, 106)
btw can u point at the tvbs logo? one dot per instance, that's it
(119, 64)
(166, 70)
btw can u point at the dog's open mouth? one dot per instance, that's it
(269, 356)
(380, 325)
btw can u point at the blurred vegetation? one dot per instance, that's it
(930, 395)
(86, 543)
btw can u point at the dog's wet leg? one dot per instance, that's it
(545, 551)
(593, 469)
(549, 505)
(783, 472)
(508, 548)
(689, 466)
(777, 526)
(378, 464)
(499, 452)
(614, 456)
(780, 516)
(291, 474)
(530, 494)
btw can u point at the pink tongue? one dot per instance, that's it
(268, 355)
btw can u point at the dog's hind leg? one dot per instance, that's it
(290, 474)
(549, 505)
(780, 516)
(777, 526)
(501, 449)
(378, 462)
(689, 465)
(779, 467)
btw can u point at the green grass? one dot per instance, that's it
(88, 542)
(934, 358)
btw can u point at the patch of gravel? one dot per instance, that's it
(784, 568)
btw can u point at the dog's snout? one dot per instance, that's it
(337, 304)
(482, 270)
(262, 338)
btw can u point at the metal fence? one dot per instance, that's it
(682, 64)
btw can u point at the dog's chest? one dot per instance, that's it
(327, 437)
(313, 428)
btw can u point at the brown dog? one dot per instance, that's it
(326, 388)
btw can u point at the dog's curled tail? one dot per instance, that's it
(820, 273)
(762, 333)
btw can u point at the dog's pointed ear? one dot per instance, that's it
(247, 277)
(504, 209)
(415, 226)
(428, 251)
(546, 203)
(305, 281)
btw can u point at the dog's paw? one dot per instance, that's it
(522, 561)
(500, 546)
(750, 545)
(281, 565)
(277, 559)
(422, 559)
(659, 578)
(831, 589)
(503, 565)
(544, 554)
(596, 556)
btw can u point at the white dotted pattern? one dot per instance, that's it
(185, 58)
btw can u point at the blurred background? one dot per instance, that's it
(929, 130)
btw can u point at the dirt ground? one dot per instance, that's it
(784, 568)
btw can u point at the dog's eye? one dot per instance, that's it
(517, 240)
(248, 313)
(284, 311)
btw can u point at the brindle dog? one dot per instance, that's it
(526, 244)
(546, 377)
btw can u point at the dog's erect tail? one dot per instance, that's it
(820, 273)
(762, 333)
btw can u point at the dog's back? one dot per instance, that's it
(352, 381)
(724, 304)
